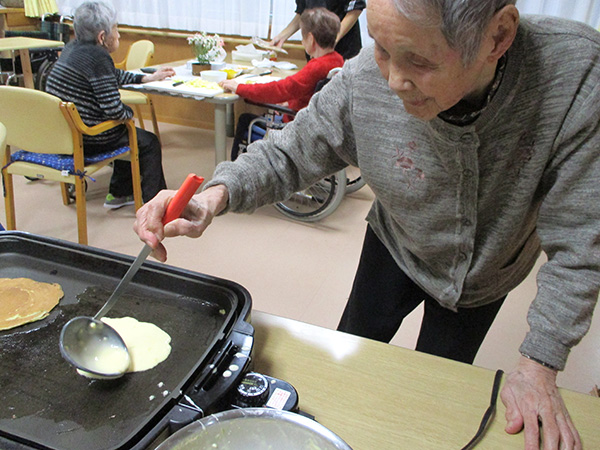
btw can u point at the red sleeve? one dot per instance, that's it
(296, 89)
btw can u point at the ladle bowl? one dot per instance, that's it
(94, 347)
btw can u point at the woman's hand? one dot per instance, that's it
(194, 219)
(534, 403)
(160, 74)
(230, 85)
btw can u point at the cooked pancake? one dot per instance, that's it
(23, 300)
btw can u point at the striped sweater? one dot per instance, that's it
(85, 74)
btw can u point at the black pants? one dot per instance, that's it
(151, 171)
(240, 140)
(382, 296)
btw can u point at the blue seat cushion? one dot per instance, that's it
(63, 162)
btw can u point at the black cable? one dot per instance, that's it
(489, 413)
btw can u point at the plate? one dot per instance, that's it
(192, 86)
(264, 44)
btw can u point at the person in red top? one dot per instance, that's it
(319, 29)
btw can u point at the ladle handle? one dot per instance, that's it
(174, 210)
(182, 197)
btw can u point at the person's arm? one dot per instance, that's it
(288, 31)
(317, 143)
(126, 77)
(347, 23)
(299, 85)
(160, 74)
(568, 284)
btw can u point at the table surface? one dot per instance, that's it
(379, 396)
(20, 43)
(185, 73)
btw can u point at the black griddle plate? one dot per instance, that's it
(45, 404)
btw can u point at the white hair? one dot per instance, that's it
(92, 17)
(462, 22)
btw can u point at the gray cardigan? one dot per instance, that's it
(465, 211)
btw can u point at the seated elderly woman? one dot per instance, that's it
(85, 74)
(320, 28)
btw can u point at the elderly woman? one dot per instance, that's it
(85, 74)
(478, 132)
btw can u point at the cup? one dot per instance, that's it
(217, 65)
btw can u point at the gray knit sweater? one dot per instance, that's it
(466, 210)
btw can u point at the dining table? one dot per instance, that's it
(22, 45)
(223, 102)
(377, 396)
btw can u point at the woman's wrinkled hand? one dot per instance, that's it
(195, 218)
(160, 74)
(533, 403)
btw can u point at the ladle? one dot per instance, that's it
(95, 347)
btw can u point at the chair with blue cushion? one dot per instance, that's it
(49, 134)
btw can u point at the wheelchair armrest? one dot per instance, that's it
(278, 108)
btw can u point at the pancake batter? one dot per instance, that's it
(147, 344)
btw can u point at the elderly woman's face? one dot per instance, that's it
(111, 41)
(419, 65)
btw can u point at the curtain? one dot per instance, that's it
(587, 11)
(239, 17)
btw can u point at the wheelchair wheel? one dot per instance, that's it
(71, 190)
(42, 74)
(317, 201)
(353, 179)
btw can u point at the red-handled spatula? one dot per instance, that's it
(95, 347)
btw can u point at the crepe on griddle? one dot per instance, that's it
(23, 300)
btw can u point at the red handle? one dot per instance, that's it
(182, 197)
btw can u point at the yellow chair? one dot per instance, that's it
(51, 131)
(2, 135)
(139, 55)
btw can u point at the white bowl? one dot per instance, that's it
(213, 75)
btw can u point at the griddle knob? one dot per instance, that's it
(253, 390)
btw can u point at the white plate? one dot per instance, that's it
(167, 85)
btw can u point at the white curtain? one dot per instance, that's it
(587, 11)
(283, 13)
(252, 17)
(239, 17)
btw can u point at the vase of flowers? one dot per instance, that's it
(206, 48)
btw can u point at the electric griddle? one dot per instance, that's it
(45, 404)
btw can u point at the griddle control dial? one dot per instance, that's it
(253, 390)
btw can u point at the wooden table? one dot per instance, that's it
(377, 396)
(23, 45)
(223, 103)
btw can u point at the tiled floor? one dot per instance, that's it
(296, 270)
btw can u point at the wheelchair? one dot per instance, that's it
(52, 27)
(320, 199)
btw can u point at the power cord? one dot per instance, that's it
(489, 413)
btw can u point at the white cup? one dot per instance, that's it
(214, 65)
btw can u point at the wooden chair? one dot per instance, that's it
(139, 55)
(50, 132)
(2, 145)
